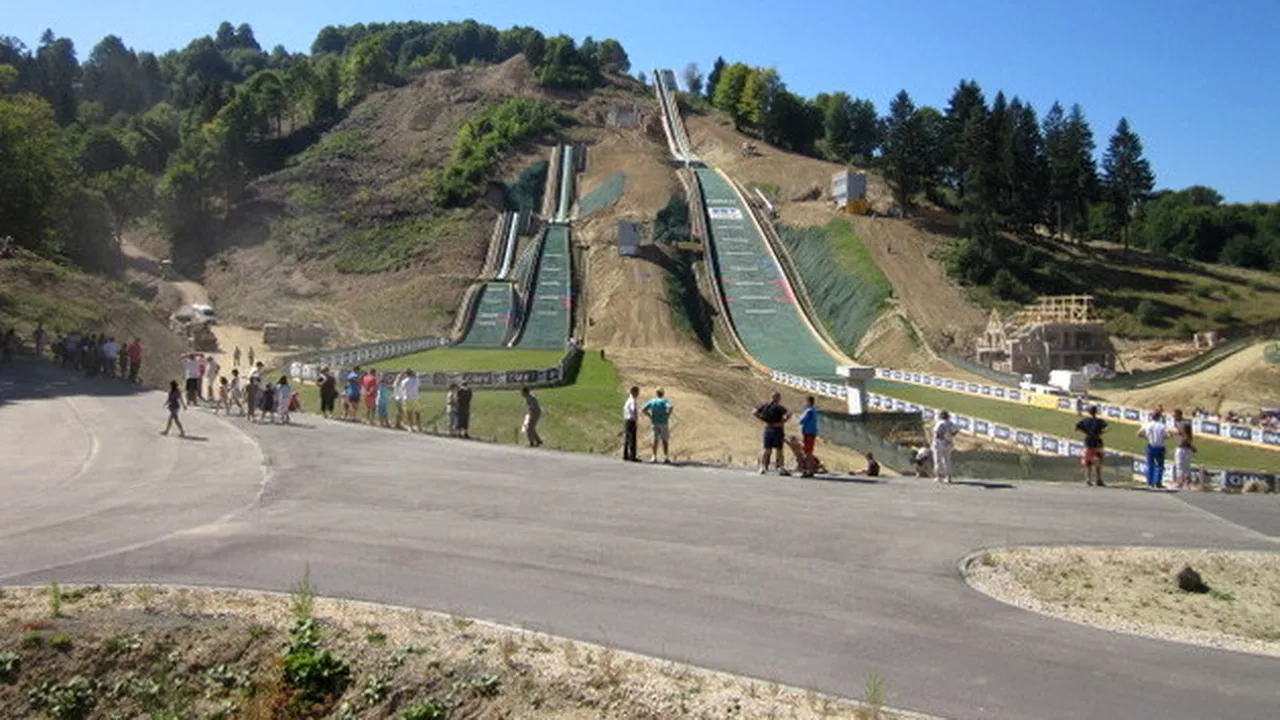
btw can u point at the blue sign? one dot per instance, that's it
(1002, 433)
(1131, 414)
(1025, 438)
(1015, 395)
(1048, 444)
(999, 392)
(963, 422)
(1240, 432)
(1112, 411)
(1075, 449)
(1271, 437)
(1209, 427)
(982, 427)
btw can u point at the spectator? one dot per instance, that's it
(464, 410)
(39, 337)
(1092, 427)
(1155, 431)
(135, 359)
(1182, 454)
(774, 416)
(659, 410)
(532, 414)
(873, 466)
(944, 434)
(809, 435)
(629, 416)
(328, 390)
(191, 371)
(174, 403)
(410, 389)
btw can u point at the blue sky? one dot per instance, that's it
(1199, 81)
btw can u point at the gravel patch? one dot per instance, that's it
(1132, 591)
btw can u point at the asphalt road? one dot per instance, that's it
(807, 583)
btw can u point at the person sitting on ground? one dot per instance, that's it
(873, 467)
(774, 416)
(920, 458)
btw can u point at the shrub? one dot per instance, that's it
(72, 700)
(429, 709)
(1146, 312)
(482, 142)
(671, 224)
(316, 674)
(10, 666)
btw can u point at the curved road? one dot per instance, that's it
(807, 583)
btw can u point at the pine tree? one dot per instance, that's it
(1127, 177)
(713, 78)
(865, 129)
(905, 151)
(967, 96)
(1028, 173)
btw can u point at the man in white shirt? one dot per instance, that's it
(944, 433)
(110, 356)
(408, 390)
(191, 371)
(211, 370)
(1155, 431)
(629, 411)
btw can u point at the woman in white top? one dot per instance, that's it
(944, 432)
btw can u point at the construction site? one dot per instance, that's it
(1054, 333)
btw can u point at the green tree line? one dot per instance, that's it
(91, 146)
(1002, 167)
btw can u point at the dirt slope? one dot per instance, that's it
(1243, 382)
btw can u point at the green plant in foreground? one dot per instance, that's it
(316, 674)
(876, 692)
(429, 709)
(72, 700)
(304, 596)
(55, 599)
(60, 642)
(10, 666)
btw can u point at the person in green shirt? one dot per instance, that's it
(659, 410)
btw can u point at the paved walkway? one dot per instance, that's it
(808, 583)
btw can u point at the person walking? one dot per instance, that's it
(235, 357)
(237, 392)
(211, 372)
(39, 337)
(659, 411)
(944, 434)
(284, 399)
(174, 402)
(629, 415)
(135, 359)
(1155, 431)
(809, 435)
(774, 416)
(464, 410)
(1092, 428)
(1182, 454)
(251, 362)
(410, 389)
(532, 414)
(328, 392)
(253, 395)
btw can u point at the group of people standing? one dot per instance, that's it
(1156, 431)
(94, 354)
(389, 400)
(255, 397)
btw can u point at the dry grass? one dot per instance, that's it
(1133, 590)
(398, 657)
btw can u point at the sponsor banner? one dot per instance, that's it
(981, 427)
(1001, 432)
(1025, 438)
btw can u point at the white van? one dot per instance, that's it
(205, 313)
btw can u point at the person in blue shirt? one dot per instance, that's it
(659, 410)
(351, 397)
(809, 429)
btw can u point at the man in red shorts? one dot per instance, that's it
(1092, 427)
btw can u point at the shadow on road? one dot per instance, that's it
(33, 379)
(857, 479)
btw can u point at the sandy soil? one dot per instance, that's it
(1132, 590)
(907, 255)
(1242, 382)
(225, 644)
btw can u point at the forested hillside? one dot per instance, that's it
(1006, 170)
(92, 145)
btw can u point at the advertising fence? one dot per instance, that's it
(1032, 441)
(306, 366)
(1245, 434)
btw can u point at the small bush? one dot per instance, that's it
(10, 666)
(429, 709)
(72, 700)
(304, 596)
(484, 140)
(316, 674)
(60, 642)
(55, 600)
(1146, 312)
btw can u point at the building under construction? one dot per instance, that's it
(1055, 333)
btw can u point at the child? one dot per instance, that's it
(268, 405)
(384, 405)
(224, 397)
(174, 402)
(284, 394)
(237, 392)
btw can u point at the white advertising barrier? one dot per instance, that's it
(1245, 434)
(307, 367)
(1034, 441)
